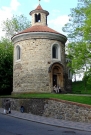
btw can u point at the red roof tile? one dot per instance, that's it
(39, 7)
(39, 28)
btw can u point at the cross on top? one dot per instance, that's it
(39, 1)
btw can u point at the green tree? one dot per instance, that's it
(77, 21)
(14, 25)
(11, 27)
(6, 66)
(87, 78)
(79, 36)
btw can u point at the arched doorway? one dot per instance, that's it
(56, 75)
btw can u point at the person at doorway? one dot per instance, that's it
(55, 88)
(57, 91)
(60, 89)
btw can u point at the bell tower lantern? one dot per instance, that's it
(39, 16)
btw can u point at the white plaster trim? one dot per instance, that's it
(59, 51)
(17, 60)
(39, 35)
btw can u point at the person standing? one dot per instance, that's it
(7, 105)
(55, 89)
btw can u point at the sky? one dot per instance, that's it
(58, 11)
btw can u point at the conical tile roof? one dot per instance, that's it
(39, 7)
(39, 28)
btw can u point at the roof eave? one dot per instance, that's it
(39, 35)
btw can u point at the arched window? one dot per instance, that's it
(55, 52)
(37, 17)
(69, 74)
(18, 52)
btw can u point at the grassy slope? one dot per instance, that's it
(74, 98)
(79, 86)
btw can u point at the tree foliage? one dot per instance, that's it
(77, 21)
(15, 24)
(79, 36)
(6, 66)
(11, 27)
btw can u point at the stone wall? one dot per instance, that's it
(54, 108)
(34, 106)
(31, 71)
(68, 111)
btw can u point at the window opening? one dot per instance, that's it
(37, 17)
(18, 52)
(55, 52)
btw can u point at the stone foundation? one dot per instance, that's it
(59, 109)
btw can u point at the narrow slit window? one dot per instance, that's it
(69, 74)
(35, 17)
(18, 51)
(46, 20)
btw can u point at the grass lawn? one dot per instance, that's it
(76, 88)
(74, 98)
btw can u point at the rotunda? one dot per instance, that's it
(39, 57)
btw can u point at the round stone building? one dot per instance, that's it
(39, 57)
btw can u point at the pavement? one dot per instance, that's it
(49, 121)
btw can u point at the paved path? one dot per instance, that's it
(50, 121)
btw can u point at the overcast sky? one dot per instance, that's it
(58, 9)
